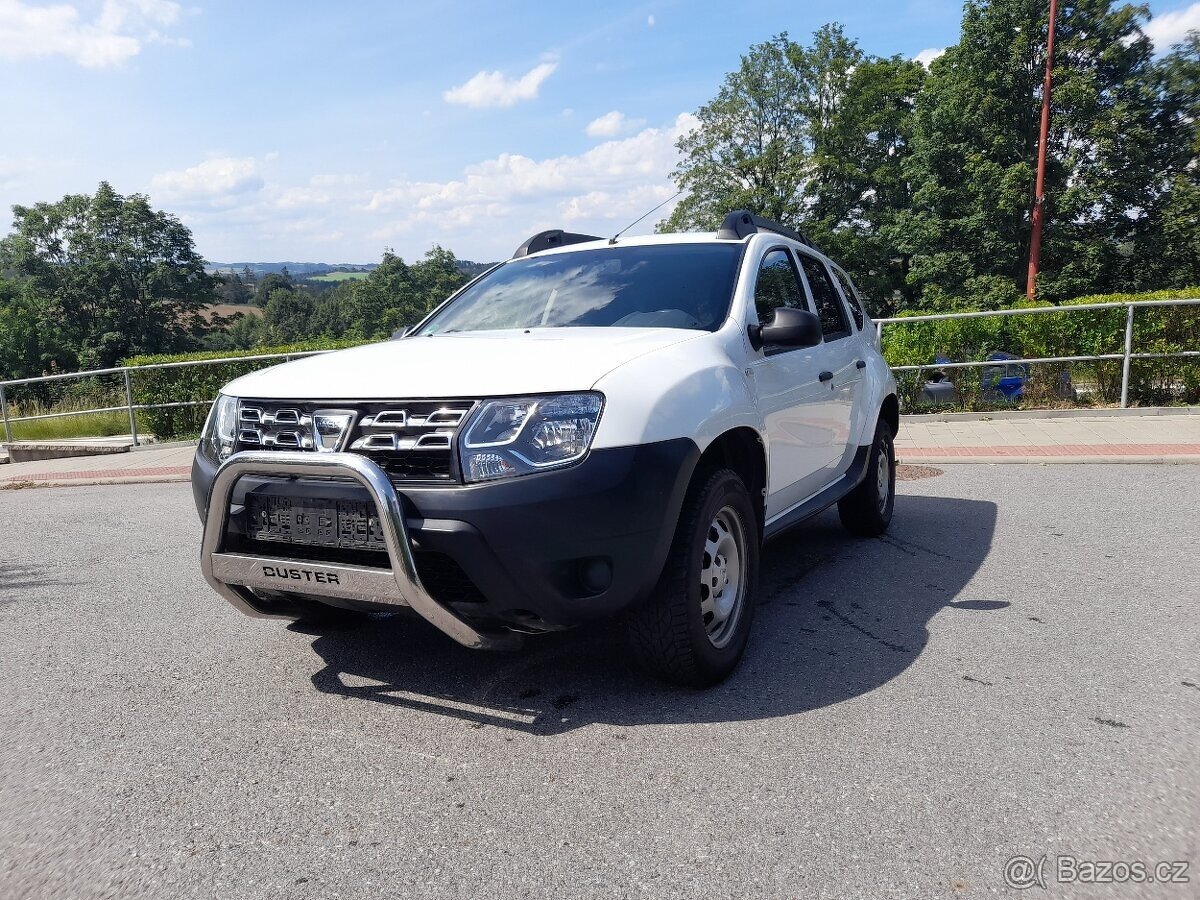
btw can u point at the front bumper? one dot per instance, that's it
(535, 553)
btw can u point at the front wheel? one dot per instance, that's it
(867, 510)
(694, 628)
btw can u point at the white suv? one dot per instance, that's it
(588, 428)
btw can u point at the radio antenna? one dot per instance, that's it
(613, 239)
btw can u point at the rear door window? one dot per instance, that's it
(834, 324)
(852, 299)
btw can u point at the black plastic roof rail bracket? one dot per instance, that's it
(741, 222)
(555, 237)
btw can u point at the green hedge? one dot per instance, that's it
(197, 383)
(1088, 333)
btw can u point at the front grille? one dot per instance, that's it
(412, 441)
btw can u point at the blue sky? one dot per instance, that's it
(327, 131)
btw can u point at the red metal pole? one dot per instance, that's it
(1039, 192)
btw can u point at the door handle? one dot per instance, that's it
(826, 376)
(860, 364)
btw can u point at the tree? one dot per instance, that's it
(975, 140)
(750, 149)
(269, 284)
(858, 114)
(1167, 247)
(396, 294)
(812, 136)
(288, 316)
(113, 277)
(27, 342)
(232, 289)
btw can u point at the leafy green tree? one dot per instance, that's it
(859, 120)
(975, 143)
(232, 289)
(113, 275)
(269, 284)
(815, 137)
(751, 149)
(28, 343)
(288, 316)
(396, 294)
(1167, 247)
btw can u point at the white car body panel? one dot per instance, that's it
(476, 364)
(694, 389)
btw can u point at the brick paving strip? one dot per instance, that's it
(1052, 450)
(146, 472)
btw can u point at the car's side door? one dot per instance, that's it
(798, 408)
(841, 362)
(865, 342)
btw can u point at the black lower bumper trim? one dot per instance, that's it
(540, 552)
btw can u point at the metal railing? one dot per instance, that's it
(125, 373)
(1126, 356)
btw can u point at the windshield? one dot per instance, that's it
(657, 286)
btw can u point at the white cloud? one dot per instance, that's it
(612, 124)
(115, 35)
(623, 206)
(495, 89)
(928, 55)
(246, 208)
(214, 182)
(508, 196)
(650, 20)
(1171, 28)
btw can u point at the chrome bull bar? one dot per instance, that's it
(233, 575)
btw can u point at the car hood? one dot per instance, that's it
(470, 364)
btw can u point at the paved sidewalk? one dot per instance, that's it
(170, 463)
(1100, 438)
(922, 439)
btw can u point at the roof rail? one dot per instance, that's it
(555, 237)
(741, 222)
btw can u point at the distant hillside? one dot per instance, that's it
(303, 269)
(320, 271)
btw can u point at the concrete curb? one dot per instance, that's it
(1018, 414)
(165, 445)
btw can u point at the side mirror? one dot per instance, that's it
(401, 332)
(789, 328)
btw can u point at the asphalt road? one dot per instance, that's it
(1014, 670)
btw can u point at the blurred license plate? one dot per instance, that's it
(350, 524)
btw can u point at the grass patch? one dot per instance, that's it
(339, 276)
(82, 426)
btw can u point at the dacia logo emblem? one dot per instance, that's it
(331, 427)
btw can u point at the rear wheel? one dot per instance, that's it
(867, 510)
(695, 626)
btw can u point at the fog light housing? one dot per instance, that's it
(596, 574)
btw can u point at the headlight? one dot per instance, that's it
(528, 434)
(220, 431)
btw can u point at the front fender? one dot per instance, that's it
(692, 390)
